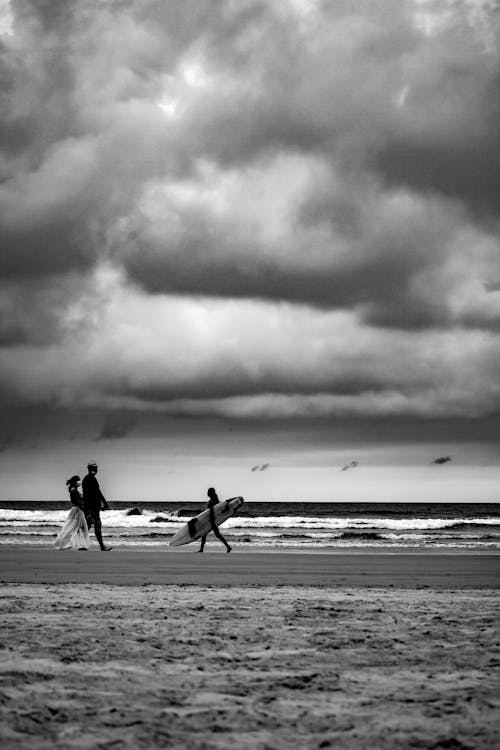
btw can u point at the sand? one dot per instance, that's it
(184, 566)
(277, 665)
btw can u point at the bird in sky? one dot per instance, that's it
(350, 465)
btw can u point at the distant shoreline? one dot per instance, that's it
(201, 503)
(194, 506)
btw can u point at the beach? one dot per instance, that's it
(358, 567)
(250, 308)
(264, 650)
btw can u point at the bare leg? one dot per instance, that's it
(98, 535)
(202, 545)
(221, 539)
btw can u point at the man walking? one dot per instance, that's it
(93, 502)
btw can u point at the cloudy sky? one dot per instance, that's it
(238, 232)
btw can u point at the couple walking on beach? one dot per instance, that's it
(85, 513)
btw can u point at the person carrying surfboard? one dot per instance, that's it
(212, 501)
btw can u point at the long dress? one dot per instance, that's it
(74, 532)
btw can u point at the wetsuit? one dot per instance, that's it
(214, 500)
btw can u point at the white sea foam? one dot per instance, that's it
(153, 527)
(118, 518)
(296, 522)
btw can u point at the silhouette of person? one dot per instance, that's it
(213, 500)
(74, 493)
(74, 532)
(93, 502)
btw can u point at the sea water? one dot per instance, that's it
(391, 526)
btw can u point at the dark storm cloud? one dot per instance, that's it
(225, 159)
(32, 311)
(116, 426)
(4, 444)
(123, 349)
(362, 90)
(386, 255)
(469, 172)
(41, 206)
(372, 233)
(67, 119)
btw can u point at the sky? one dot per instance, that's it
(245, 233)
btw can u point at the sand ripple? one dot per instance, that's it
(99, 666)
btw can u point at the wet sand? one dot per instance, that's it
(249, 650)
(137, 566)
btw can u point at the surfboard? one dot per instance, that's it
(200, 524)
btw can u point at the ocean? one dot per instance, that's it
(391, 526)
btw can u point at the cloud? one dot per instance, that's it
(4, 445)
(32, 311)
(124, 349)
(265, 172)
(446, 148)
(249, 209)
(291, 229)
(68, 119)
(116, 426)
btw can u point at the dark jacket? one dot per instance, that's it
(93, 499)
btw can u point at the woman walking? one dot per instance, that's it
(74, 532)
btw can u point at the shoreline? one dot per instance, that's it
(169, 566)
(238, 549)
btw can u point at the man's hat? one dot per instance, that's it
(92, 463)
